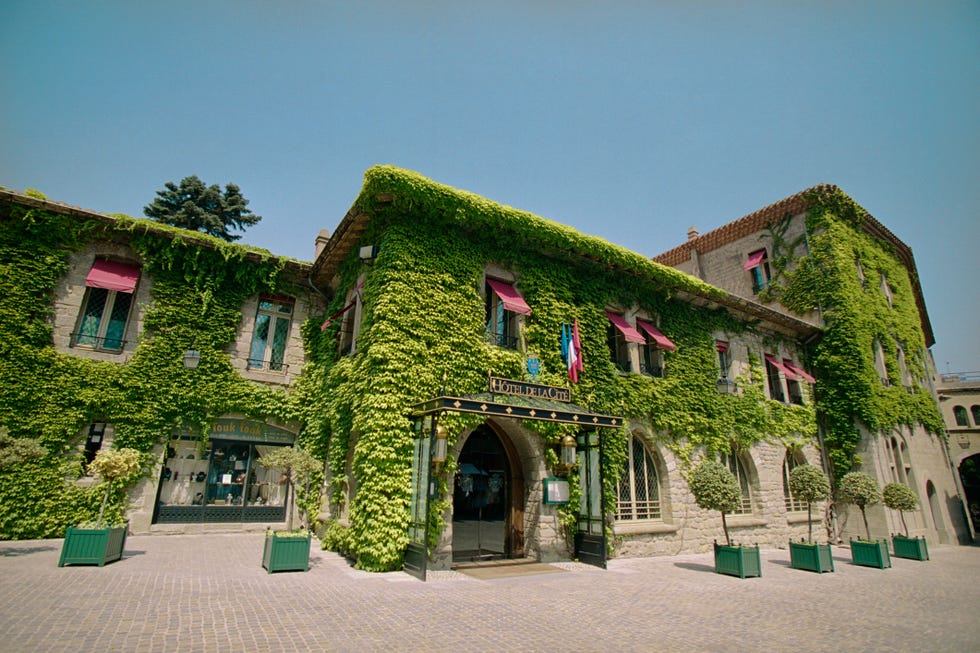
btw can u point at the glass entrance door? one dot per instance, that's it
(481, 498)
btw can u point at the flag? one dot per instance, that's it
(575, 355)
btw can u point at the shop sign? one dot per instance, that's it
(531, 390)
(248, 430)
(556, 491)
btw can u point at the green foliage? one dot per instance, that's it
(199, 287)
(15, 451)
(335, 537)
(423, 326)
(715, 487)
(900, 497)
(113, 465)
(809, 483)
(197, 207)
(861, 490)
(858, 315)
(298, 465)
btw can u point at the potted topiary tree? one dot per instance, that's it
(98, 542)
(715, 488)
(900, 497)
(289, 550)
(862, 490)
(809, 483)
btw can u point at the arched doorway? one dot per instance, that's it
(970, 478)
(487, 521)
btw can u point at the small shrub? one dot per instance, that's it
(809, 483)
(862, 490)
(900, 497)
(715, 488)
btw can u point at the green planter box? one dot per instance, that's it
(741, 561)
(811, 557)
(285, 553)
(870, 554)
(93, 546)
(913, 548)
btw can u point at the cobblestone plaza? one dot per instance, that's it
(210, 593)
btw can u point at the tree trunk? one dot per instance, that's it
(901, 513)
(289, 506)
(864, 516)
(105, 500)
(809, 523)
(724, 525)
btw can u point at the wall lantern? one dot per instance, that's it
(191, 358)
(725, 387)
(568, 451)
(439, 453)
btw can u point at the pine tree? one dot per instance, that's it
(197, 207)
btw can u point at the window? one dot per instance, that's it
(758, 265)
(793, 387)
(271, 334)
(652, 350)
(976, 414)
(792, 460)
(105, 307)
(860, 273)
(772, 375)
(959, 413)
(504, 308)
(734, 464)
(94, 441)
(639, 489)
(886, 289)
(618, 349)
(879, 356)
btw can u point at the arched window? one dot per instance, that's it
(639, 489)
(976, 414)
(959, 413)
(735, 465)
(792, 460)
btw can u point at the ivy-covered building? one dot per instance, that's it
(480, 382)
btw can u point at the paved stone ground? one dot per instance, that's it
(194, 593)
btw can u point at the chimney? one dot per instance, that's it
(322, 239)
(692, 233)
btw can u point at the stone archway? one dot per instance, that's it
(969, 470)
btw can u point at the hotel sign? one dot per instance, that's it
(531, 390)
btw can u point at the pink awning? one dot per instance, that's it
(721, 345)
(337, 314)
(510, 297)
(799, 371)
(662, 341)
(755, 258)
(113, 276)
(632, 335)
(790, 374)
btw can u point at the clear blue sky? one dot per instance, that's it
(627, 120)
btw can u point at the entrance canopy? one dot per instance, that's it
(496, 405)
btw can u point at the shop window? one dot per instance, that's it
(271, 334)
(734, 463)
(504, 308)
(94, 441)
(758, 266)
(639, 487)
(792, 460)
(959, 413)
(976, 414)
(106, 306)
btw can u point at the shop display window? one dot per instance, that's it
(225, 484)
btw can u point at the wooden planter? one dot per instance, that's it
(870, 554)
(811, 557)
(93, 546)
(286, 553)
(913, 548)
(741, 561)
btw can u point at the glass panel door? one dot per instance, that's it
(590, 540)
(416, 553)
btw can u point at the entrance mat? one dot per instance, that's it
(507, 569)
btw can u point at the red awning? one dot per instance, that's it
(721, 345)
(632, 335)
(755, 258)
(799, 371)
(337, 314)
(113, 276)
(662, 341)
(510, 297)
(790, 374)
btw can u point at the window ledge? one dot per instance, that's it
(801, 518)
(636, 527)
(744, 521)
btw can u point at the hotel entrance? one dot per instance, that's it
(481, 499)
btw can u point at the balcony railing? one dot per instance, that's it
(93, 342)
(270, 365)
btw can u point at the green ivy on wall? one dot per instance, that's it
(857, 316)
(197, 297)
(423, 327)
